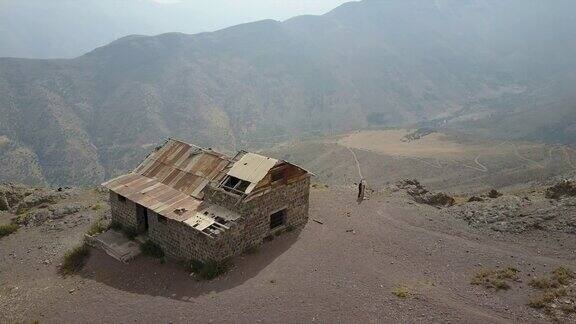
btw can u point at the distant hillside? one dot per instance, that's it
(369, 63)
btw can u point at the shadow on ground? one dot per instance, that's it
(148, 276)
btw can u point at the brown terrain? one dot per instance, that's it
(451, 162)
(387, 259)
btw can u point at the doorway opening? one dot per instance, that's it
(142, 216)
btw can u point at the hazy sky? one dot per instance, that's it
(215, 14)
(67, 28)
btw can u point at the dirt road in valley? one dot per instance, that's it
(341, 271)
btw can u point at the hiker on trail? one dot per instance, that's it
(361, 189)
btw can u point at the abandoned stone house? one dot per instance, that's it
(198, 204)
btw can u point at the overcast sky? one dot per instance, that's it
(217, 14)
(68, 28)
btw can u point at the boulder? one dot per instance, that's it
(494, 193)
(62, 211)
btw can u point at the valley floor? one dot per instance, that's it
(343, 270)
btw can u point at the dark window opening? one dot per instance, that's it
(121, 198)
(242, 186)
(277, 219)
(162, 219)
(236, 185)
(231, 182)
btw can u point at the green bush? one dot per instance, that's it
(210, 269)
(75, 259)
(151, 249)
(8, 229)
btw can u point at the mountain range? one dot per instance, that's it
(495, 68)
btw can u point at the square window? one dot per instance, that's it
(278, 219)
(235, 185)
(162, 219)
(121, 198)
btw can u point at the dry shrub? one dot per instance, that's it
(402, 292)
(8, 229)
(496, 279)
(75, 259)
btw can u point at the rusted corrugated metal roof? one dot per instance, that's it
(252, 167)
(183, 167)
(154, 195)
(170, 182)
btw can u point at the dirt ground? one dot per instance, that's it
(341, 271)
(390, 142)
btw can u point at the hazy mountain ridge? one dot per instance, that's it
(366, 63)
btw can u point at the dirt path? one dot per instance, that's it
(357, 163)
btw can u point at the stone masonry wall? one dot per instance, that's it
(181, 241)
(255, 223)
(123, 212)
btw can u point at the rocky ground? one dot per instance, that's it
(548, 206)
(387, 259)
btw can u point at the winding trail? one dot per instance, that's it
(357, 162)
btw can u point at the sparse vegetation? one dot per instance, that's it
(97, 228)
(152, 249)
(543, 300)
(553, 289)
(542, 283)
(96, 207)
(563, 275)
(402, 292)
(210, 269)
(75, 259)
(8, 229)
(495, 279)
